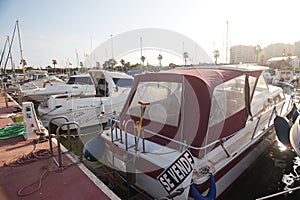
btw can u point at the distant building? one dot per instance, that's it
(248, 54)
(277, 50)
(284, 61)
(242, 54)
(297, 49)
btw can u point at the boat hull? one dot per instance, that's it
(85, 111)
(244, 149)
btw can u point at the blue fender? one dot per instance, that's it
(282, 130)
(94, 149)
(212, 193)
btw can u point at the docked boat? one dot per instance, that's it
(80, 84)
(112, 89)
(295, 136)
(192, 131)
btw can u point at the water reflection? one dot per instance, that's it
(277, 170)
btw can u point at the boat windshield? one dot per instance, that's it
(81, 80)
(123, 82)
(164, 99)
(228, 98)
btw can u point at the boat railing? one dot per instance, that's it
(118, 137)
(51, 135)
(57, 136)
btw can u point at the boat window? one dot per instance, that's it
(102, 87)
(260, 90)
(164, 99)
(81, 80)
(123, 82)
(228, 98)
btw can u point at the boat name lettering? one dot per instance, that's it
(177, 172)
(85, 106)
(76, 115)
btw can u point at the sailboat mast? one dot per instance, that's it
(11, 59)
(21, 52)
(3, 52)
(9, 51)
(226, 42)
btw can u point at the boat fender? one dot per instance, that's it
(212, 193)
(282, 130)
(45, 83)
(94, 149)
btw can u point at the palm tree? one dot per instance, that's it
(112, 62)
(257, 51)
(159, 59)
(54, 62)
(216, 56)
(185, 56)
(143, 58)
(122, 61)
(127, 66)
(23, 62)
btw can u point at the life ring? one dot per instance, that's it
(45, 83)
(212, 193)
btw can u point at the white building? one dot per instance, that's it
(292, 60)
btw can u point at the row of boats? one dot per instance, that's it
(184, 132)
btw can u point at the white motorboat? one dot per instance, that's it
(80, 84)
(295, 136)
(112, 89)
(192, 131)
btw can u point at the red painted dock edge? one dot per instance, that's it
(73, 183)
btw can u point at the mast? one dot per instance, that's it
(21, 52)
(3, 52)
(227, 42)
(9, 51)
(11, 60)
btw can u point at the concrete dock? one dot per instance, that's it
(27, 171)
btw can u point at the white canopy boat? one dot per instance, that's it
(295, 136)
(192, 131)
(80, 84)
(112, 89)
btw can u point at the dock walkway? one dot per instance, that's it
(38, 177)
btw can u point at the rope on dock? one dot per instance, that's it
(279, 193)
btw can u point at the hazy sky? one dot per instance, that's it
(55, 29)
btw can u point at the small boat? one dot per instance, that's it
(192, 131)
(80, 84)
(111, 89)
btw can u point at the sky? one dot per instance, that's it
(62, 29)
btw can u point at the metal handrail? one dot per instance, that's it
(50, 135)
(58, 140)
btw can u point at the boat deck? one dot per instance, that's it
(37, 176)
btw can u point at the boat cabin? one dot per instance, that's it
(108, 83)
(194, 106)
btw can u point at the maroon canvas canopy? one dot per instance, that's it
(196, 87)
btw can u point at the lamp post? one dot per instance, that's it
(112, 46)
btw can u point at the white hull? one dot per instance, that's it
(39, 94)
(85, 111)
(244, 148)
(295, 136)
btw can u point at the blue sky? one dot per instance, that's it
(55, 29)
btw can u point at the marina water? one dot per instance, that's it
(276, 170)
